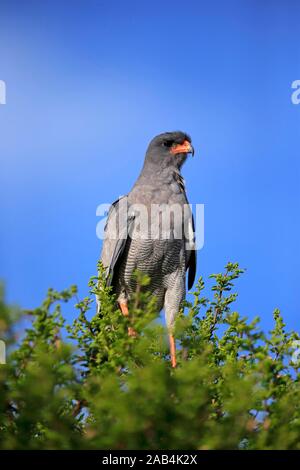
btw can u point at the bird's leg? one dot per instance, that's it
(172, 350)
(124, 309)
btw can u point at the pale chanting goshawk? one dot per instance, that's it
(165, 252)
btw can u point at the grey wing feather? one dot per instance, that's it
(116, 232)
(191, 255)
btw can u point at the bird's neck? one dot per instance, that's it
(157, 169)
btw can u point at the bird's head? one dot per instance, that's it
(169, 149)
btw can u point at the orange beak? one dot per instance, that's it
(185, 147)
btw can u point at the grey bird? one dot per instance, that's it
(151, 230)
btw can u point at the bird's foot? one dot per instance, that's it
(132, 332)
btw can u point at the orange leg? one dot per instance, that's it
(124, 310)
(172, 350)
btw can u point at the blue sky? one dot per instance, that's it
(89, 83)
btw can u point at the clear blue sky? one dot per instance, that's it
(89, 83)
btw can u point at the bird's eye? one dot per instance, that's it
(168, 143)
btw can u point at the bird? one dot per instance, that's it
(164, 248)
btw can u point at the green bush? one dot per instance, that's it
(91, 386)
